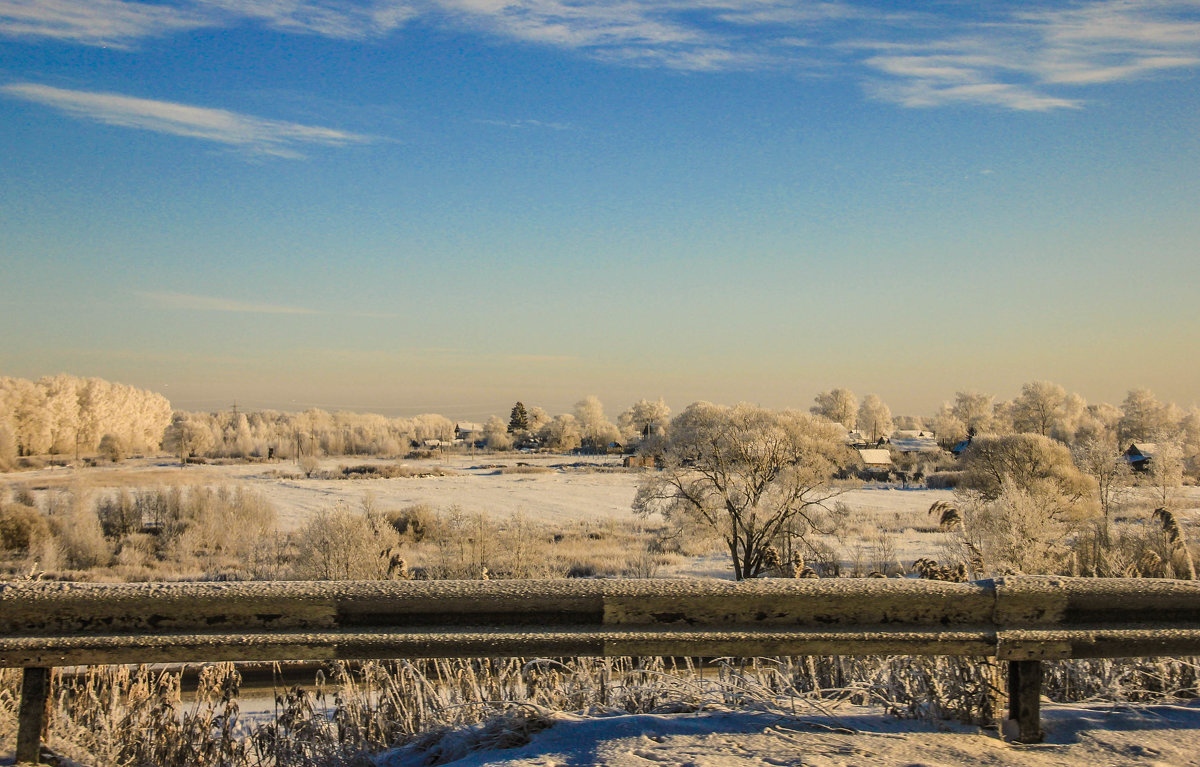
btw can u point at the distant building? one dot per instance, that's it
(858, 440)
(1140, 454)
(876, 463)
(467, 433)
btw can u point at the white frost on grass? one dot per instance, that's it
(1077, 736)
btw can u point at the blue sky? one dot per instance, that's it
(453, 204)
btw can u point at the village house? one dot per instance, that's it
(1140, 454)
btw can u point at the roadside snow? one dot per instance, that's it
(1077, 736)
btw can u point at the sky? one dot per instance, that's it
(447, 205)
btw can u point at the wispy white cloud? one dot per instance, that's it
(95, 22)
(328, 18)
(188, 302)
(250, 134)
(519, 124)
(1039, 59)
(927, 93)
(942, 77)
(624, 30)
(122, 23)
(1037, 56)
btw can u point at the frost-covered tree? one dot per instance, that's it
(838, 405)
(748, 473)
(1142, 416)
(538, 418)
(433, 426)
(596, 431)
(1098, 422)
(561, 433)
(8, 448)
(874, 418)
(497, 435)
(949, 427)
(188, 435)
(1074, 411)
(25, 402)
(1164, 476)
(643, 418)
(975, 409)
(1033, 464)
(1100, 459)
(61, 411)
(1039, 407)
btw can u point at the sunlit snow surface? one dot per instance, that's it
(1091, 736)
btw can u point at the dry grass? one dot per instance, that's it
(118, 715)
(455, 544)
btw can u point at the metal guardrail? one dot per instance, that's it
(1022, 620)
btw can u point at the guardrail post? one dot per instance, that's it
(34, 717)
(1025, 698)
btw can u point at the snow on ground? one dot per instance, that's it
(589, 492)
(888, 524)
(572, 489)
(1076, 736)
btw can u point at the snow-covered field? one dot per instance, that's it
(886, 523)
(571, 488)
(557, 490)
(1097, 735)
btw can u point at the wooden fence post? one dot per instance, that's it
(34, 716)
(1025, 698)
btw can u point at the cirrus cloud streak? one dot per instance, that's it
(254, 135)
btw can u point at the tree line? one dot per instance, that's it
(1041, 407)
(66, 415)
(70, 416)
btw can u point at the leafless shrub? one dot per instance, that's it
(1017, 533)
(414, 522)
(22, 528)
(340, 545)
(77, 530)
(113, 447)
(883, 554)
(943, 480)
(119, 514)
(308, 464)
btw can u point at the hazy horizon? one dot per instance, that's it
(449, 205)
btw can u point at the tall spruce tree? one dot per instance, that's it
(519, 420)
